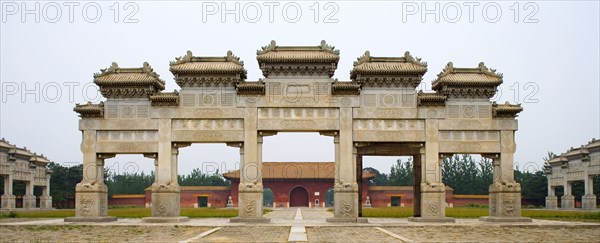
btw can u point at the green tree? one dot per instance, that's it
(380, 179)
(401, 174)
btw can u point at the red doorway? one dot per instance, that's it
(299, 197)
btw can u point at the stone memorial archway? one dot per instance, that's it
(377, 112)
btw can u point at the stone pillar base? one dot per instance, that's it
(345, 201)
(91, 200)
(165, 203)
(493, 219)
(431, 219)
(567, 202)
(8, 201)
(433, 201)
(250, 220)
(551, 202)
(29, 202)
(250, 204)
(91, 219)
(45, 202)
(588, 201)
(505, 200)
(177, 219)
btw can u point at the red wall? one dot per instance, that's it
(282, 188)
(126, 201)
(216, 198)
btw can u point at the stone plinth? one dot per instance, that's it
(8, 201)
(250, 205)
(588, 201)
(165, 201)
(345, 198)
(567, 202)
(433, 202)
(504, 219)
(45, 202)
(505, 200)
(28, 201)
(91, 203)
(551, 202)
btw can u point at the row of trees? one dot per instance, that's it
(64, 179)
(467, 176)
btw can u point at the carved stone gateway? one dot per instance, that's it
(378, 112)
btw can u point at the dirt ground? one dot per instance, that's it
(172, 233)
(87, 233)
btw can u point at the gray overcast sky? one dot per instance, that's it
(548, 51)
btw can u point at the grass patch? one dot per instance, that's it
(476, 212)
(62, 213)
(129, 212)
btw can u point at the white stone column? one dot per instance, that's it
(588, 201)
(551, 199)
(28, 198)
(165, 190)
(91, 197)
(567, 200)
(8, 199)
(346, 186)
(45, 198)
(250, 195)
(505, 192)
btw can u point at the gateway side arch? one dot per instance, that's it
(378, 112)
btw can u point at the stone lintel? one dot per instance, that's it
(492, 219)
(431, 219)
(91, 219)
(250, 220)
(176, 219)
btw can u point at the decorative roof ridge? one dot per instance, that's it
(114, 69)
(406, 58)
(188, 57)
(273, 47)
(481, 69)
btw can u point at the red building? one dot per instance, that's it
(295, 184)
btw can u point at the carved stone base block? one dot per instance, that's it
(567, 201)
(346, 208)
(551, 202)
(433, 204)
(91, 203)
(29, 202)
(45, 202)
(250, 207)
(588, 201)
(8, 201)
(505, 204)
(165, 204)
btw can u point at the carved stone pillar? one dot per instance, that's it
(568, 200)
(45, 198)
(345, 186)
(433, 191)
(588, 201)
(505, 193)
(165, 190)
(551, 199)
(8, 199)
(91, 198)
(250, 196)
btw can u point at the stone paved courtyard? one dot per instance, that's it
(279, 230)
